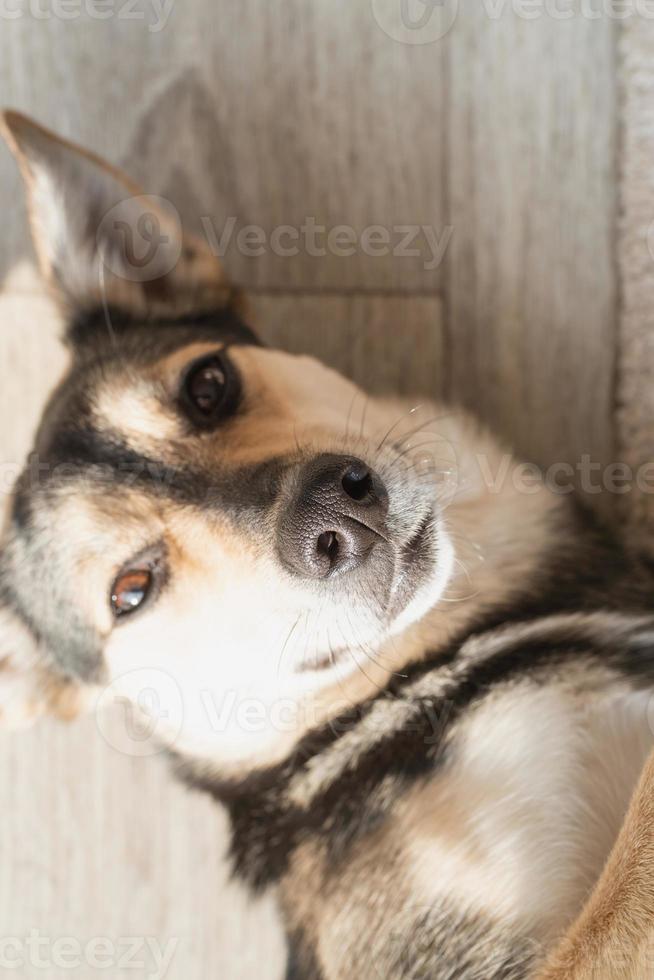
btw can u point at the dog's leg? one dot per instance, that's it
(613, 938)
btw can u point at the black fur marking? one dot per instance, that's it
(224, 325)
(301, 963)
(21, 509)
(636, 660)
(86, 456)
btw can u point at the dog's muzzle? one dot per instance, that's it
(334, 519)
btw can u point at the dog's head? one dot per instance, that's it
(234, 518)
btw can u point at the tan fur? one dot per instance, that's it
(613, 938)
(142, 408)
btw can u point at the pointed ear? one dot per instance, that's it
(101, 240)
(27, 688)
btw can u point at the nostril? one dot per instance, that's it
(327, 545)
(334, 519)
(357, 482)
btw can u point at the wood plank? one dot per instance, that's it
(635, 393)
(276, 114)
(387, 344)
(531, 289)
(95, 844)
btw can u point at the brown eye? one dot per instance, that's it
(206, 385)
(129, 590)
(210, 391)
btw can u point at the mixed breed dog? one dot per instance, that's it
(470, 666)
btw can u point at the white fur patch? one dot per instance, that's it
(521, 825)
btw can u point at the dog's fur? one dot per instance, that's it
(448, 732)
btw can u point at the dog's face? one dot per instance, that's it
(225, 520)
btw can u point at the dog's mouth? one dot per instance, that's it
(419, 541)
(414, 564)
(414, 561)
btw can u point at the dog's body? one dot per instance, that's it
(450, 666)
(453, 825)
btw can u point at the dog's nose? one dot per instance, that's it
(336, 516)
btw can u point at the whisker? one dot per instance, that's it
(465, 571)
(365, 649)
(349, 414)
(395, 424)
(363, 417)
(421, 445)
(297, 439)
(359, 666)
(423, 425)
(286, 641)
(368, 652)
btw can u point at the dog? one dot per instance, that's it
(452, 666)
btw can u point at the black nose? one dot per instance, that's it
(337, 514)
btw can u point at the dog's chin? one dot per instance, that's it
(424, 568)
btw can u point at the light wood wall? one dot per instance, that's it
(501, 134)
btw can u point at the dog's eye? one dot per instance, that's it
(206, 386)
(130, 590)
(210, 391)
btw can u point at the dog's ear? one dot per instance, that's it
(101, 241)
(28, 689)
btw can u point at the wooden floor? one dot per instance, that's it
(501, 139)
